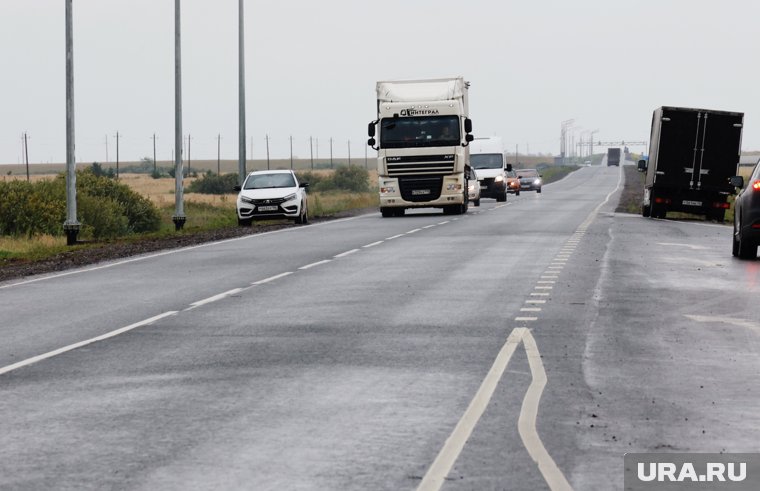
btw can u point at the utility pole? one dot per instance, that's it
(106, 148)
(241, 96)
(117, 155)
(349, 153)
(267, 139)
(331, 154)
(219, 154)
(366, 163)
(251, 149)
(155, 168)
(517, 153)
(311, 151)
(291, 152)
(26, 156)
(71, 225)
(189, 162)
(317, 153)
(179, 217)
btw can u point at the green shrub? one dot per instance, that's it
(354, 179)
(211, 183)
(105, 207)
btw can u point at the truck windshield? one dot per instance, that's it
(429, 131)
(486, 161)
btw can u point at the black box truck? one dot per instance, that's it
(613, 157)
(692, 155)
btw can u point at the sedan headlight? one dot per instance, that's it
(290, 197)
(537, 182)
(246, 200)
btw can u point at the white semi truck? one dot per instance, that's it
(422, 134)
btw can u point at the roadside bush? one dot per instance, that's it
(211, 183)
(105, 207)
(353, 179)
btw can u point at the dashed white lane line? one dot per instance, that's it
(546, 282)
(214, 298)
(526, 319)
(373, 244)
(539, 294)
(318, 263)
(347, 253)
(530, 309)
(535, 301)
(395, 237)
(443, 223)
(272, 278)
(50, 354)
(428, 226)
(549, 276)
(415, 230)
(543, 287)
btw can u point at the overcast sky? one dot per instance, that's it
(311, 68)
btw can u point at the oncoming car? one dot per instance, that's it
(530, 180)
(270, 194)
(513, 183)
(747, 216)
(473, 186)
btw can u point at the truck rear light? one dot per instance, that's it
(660, 201)
(724, 206)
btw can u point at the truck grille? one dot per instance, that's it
(418, 189)
(426, 165)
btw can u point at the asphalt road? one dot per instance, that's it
(524, 346)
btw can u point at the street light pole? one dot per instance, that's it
(179, 217)
(71, 225)
(241, 96)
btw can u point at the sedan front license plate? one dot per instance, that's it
(687, 202)
(268, 208)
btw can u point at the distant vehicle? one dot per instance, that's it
(613, 157)
(513, 182)
(473, 185)
(747, 216)
(692, 155)
(489, 158)
(271, 194)
(530, 180)
(423, 134)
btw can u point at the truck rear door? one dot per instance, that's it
(718, 150)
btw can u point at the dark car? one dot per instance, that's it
(747, 216)
(530, 180)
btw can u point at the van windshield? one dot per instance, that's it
(427, 131)
(487, 160)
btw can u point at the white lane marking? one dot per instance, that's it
(415, 230)
(753, 326)
(527, 421)
(549, 276)
(526, 319)
(318, 263)
(543, 287)
(395, 237)
(428, 226)
(347, 253)
(50, 354)
(535, 301)
(530, 309)
(539, 294)
(181, 249)
(442, 464)
(555, 267)
(688, 246)
(272, 278)
(214, 298)
(443, 223)
(373, 244)
(546, 282)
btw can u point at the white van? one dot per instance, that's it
(489, 159)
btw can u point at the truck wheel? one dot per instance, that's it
(501, 197)
(517, 193)
(386, 212)
(476, 202)
(646, 211)
(399, 212)
(717, 215)
(746, 248)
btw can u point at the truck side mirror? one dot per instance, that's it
(509, 167)
(736, 181)
(642, 166)
(468, 138)
(371, 142)
(371, 130)
(468, 126)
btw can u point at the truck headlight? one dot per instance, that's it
(453, 187)
(387, 190)
(498, 179)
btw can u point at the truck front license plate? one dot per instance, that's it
(420, 192)
(687, 202)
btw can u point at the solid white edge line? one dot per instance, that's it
(527, 421)
(344, 254)
(318, 263)
(436, 474)
(272, 278)
(50, 354)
